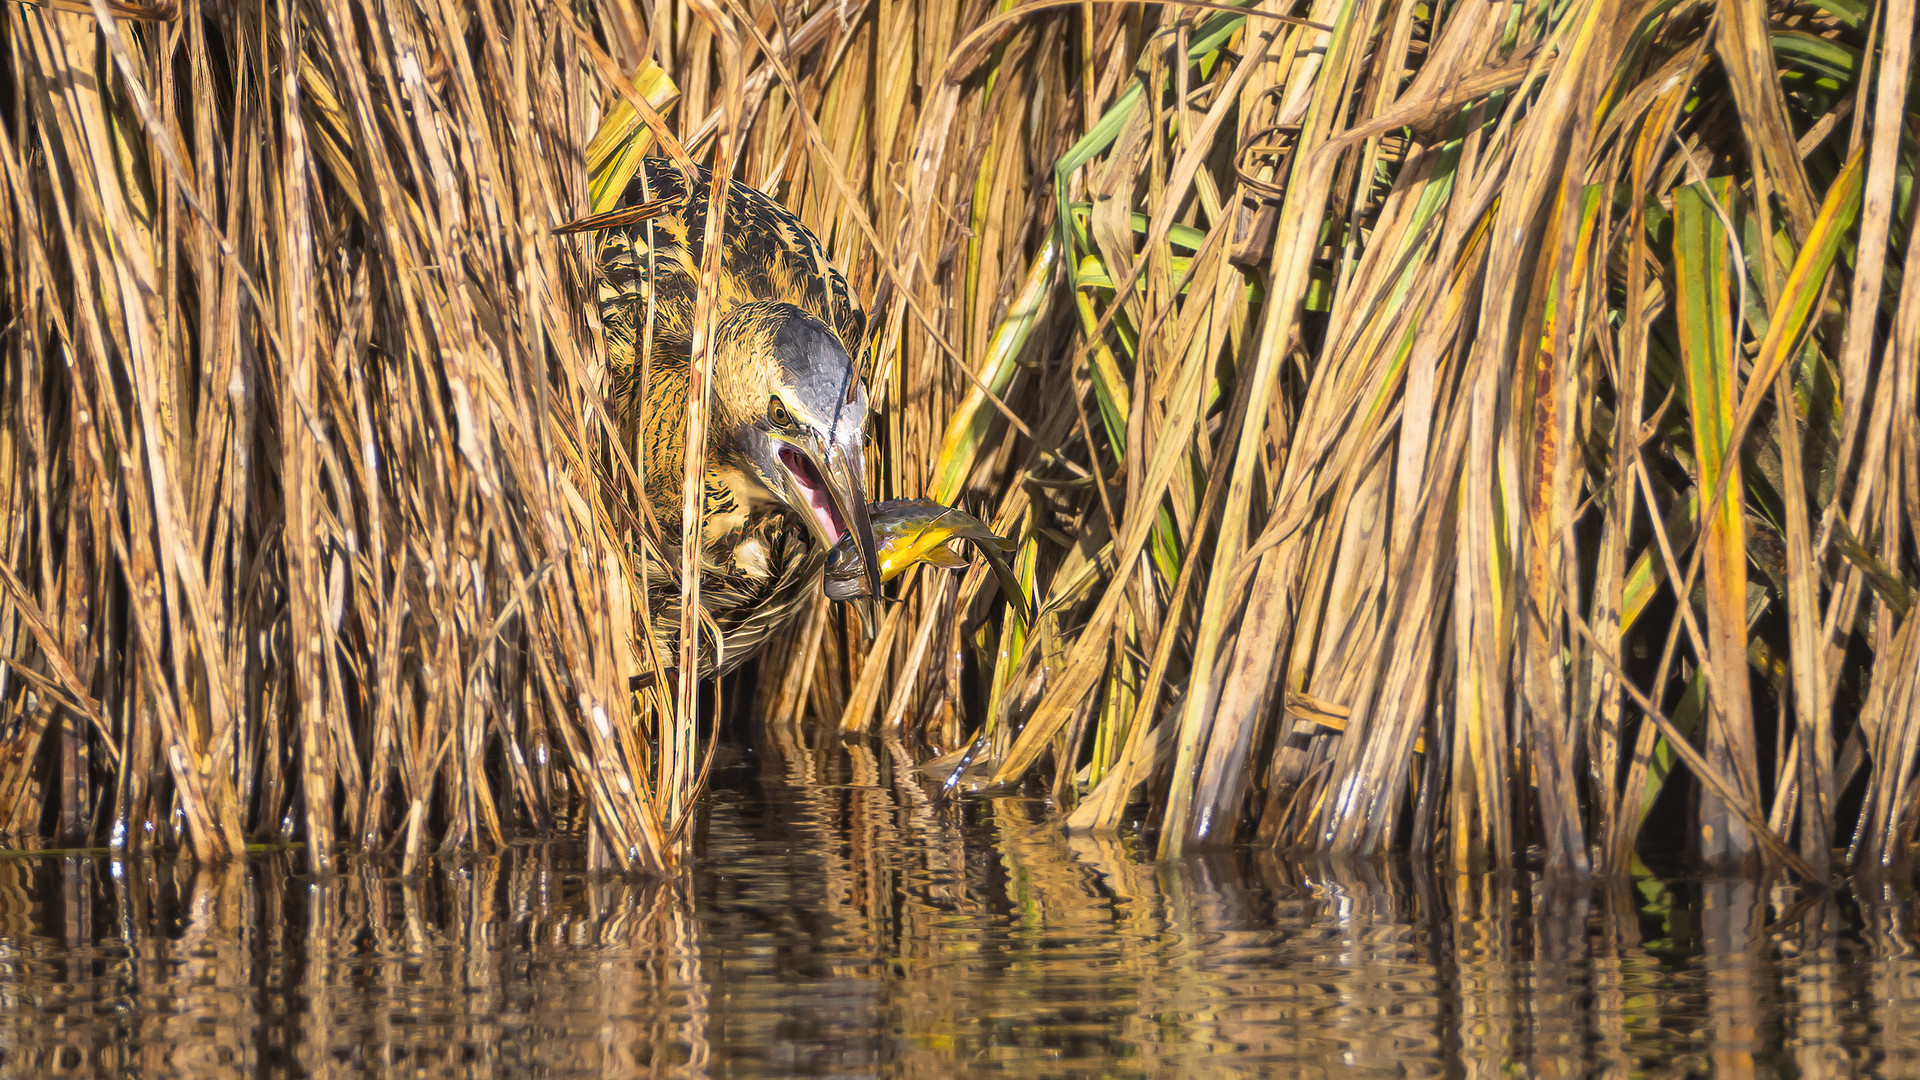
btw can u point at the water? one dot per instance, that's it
(841, 924)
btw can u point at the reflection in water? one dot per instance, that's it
(842, 924)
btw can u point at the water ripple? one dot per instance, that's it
(844, 929)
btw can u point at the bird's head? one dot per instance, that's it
(796, 411)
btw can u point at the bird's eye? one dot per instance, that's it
(777, 412)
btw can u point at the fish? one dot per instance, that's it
(909, 531)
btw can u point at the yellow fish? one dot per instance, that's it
(909, 531)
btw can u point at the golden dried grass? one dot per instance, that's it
(1422, 426)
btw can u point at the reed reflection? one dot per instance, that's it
(503, 966)
(844, 922)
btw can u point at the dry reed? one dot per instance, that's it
(1447, 427)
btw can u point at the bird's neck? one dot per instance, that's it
(732, 495)
(664, 441)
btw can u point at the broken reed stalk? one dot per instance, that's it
(1412, 420)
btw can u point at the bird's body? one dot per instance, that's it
(784, 452)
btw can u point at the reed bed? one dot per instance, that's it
(1454, 427)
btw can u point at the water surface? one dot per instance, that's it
(841, 923)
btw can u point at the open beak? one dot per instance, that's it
(832, 489)
(847, 486)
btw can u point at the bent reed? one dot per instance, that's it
(1461, 427)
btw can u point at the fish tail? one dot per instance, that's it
(1009, 584)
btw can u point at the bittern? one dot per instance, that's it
(786, 435)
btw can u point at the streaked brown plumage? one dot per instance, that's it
(785, 453)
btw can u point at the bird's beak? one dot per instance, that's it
(834, 497)
(846, 484)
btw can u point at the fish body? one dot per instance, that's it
(909, 531)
